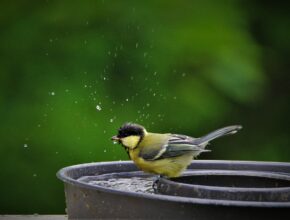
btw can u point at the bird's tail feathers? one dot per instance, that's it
(217, 133)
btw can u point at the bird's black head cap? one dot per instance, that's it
(130, 129)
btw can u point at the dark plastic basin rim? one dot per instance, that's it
(62, 175)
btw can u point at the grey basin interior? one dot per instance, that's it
(241, 179)
(229, 185)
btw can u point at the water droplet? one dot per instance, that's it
(154, 94)
(85, 86)
(111, 120)
(127, 100)
(155, 73)
(137, 44)
(183, 74)
(34, 175)
(148, 104)
(25, 145)
(145, 54)
(98, 108)
(52, 93)
(105, 151)
(66, 90)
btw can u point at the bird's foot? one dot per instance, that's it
(155, 183)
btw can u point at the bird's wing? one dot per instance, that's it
(176, 145)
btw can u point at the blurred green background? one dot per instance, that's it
(71, 72)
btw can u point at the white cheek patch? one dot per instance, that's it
(130, 141)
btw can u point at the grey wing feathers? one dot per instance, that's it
(177, 145)
(153, 154)
(180, 137)
(181, 144)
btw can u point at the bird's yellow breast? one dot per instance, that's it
(171, 167)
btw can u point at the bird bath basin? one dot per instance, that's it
(208, 190)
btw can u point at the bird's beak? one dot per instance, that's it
(115, 138)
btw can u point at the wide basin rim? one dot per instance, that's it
(62, 175)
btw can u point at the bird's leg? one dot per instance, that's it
(155, 183)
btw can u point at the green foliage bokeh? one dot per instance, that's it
(71, 72)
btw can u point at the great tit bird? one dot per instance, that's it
(164, 154)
